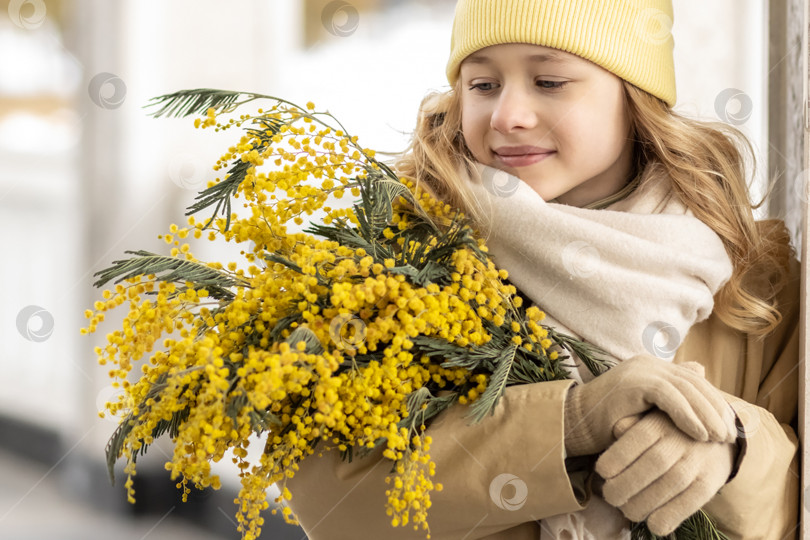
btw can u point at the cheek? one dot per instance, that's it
(576, 133)
(619, 128)
(468, 113)
(466, 129)
(592, 132)
(614, 116)
(472, 127)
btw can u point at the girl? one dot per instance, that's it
(619, 218)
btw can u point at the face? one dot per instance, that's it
(556, 121)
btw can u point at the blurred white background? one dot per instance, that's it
(85, 174)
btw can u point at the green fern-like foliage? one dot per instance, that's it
(198, 101)
(699, 526)
(382, 194)
(171, 269)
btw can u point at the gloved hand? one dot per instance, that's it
(636, 386)
(656, 472)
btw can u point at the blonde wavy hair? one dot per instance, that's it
(708, 163)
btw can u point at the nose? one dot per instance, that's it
(514, 110)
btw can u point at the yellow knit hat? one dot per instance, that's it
(630, 38)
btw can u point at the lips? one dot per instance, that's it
(521, 156)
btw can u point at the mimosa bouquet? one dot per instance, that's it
(349, 334)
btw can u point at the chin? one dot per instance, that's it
(547, 190)
(545, 194)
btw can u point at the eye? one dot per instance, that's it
(483, 86)
(551, 85)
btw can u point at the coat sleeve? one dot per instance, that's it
(499, 476)
(761, 500)
(760, 378)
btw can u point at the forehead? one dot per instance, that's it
(522, 51)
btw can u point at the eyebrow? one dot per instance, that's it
(542, 57)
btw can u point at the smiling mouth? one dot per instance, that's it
(522, 159)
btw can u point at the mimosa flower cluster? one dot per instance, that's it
(349, 335)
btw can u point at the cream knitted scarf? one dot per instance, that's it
(632, 278)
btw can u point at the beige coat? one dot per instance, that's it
(762, 380)
(336, 500)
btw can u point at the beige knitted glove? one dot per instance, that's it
(657, 473)
(636, 386)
